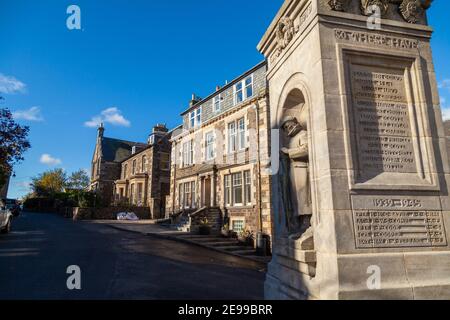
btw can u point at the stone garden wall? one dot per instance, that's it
(109, 213)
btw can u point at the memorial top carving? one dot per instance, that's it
(410, 10)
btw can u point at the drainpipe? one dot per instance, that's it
(258, 143)
(174, 178)
(261, 240)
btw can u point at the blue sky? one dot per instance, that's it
(133, 64)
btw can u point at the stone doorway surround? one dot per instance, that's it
(208, 190)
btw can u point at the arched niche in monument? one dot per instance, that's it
(294, 176)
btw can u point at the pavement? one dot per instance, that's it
(216, 243)
(116, 265)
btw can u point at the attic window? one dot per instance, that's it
(217, 103)
(195, 118)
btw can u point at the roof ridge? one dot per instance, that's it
(122, 140)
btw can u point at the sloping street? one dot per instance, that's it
(115, 265)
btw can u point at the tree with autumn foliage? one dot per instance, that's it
(49, 183)
(13, 143)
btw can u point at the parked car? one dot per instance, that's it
(5, 218)
(13, 206)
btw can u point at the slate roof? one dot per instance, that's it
(115, 150)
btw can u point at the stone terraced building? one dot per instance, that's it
(133, 174)
(145, 175)
(219, 156)
(106, 163)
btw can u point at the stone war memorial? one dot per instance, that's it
(361, 204)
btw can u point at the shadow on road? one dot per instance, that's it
(115, 265)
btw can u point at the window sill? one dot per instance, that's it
(232, 153)
(241, 207)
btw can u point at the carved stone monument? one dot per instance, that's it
(361, 201)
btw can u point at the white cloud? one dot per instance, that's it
(49, 160)
(32, 114)
(444, 84)
(111, 115)
(446, 114)
(445, 109)
(10, 85)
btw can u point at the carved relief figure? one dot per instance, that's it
(413, 10)
(285, 33)
(410, 10)
(338, 5)
(294, 175)
(382, 4)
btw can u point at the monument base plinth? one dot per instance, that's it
(401, 276)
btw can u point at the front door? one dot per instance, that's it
(206, 192)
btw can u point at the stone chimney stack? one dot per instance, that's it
(194, 100)
(161, 128)
(101, 131)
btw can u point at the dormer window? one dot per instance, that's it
(249, 87)
(217, 103)
(195, 118)
(239, 94)
(243, 90)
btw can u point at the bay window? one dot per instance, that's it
(186, 195)
(238, 189)
(227, 189)
(247, 187)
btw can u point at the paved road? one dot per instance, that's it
(115, 265)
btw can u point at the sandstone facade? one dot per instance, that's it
(145, 176)
(220, 152)
(106, 163)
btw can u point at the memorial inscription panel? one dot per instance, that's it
(382, 122)
(385, 152)
(398, 229)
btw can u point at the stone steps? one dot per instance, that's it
(248, 252)
(234, 248)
